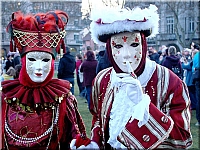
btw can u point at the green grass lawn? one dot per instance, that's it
(87, 117)
(195, 132)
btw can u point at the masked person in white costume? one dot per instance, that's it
(136, 104)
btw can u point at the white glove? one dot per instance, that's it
(72, 144)
(92, 145)
(133, 89)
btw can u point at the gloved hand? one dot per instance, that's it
(93, 145)
(79, 141)
(130, 95)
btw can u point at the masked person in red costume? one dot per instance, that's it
(39, 112)
(136, 104)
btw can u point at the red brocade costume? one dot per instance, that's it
(169, 101)
(30, 120)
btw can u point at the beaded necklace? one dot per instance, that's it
(24, 140)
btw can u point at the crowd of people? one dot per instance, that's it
(11, 66)
(139, 97)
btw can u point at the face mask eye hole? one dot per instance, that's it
(118, 46)
(31, 59)
(134, 44)
(46, 60)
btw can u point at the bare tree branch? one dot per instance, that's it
(177, 8)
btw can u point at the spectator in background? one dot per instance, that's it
(178, 54)
(173, 63)
(66, 68)
(186, 59)
(153, 54)
(89, 48)
(187, 54)
(162, 57)
(16, 59)
(17, 71)
(196, 66)
(1, 76)
(88, 68)
(196, 47)
(79, 61)
(10, 73)
(103, 61)
(192, 46)
(9, 62)
(187, 67)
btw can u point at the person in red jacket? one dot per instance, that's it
(136, 104)
(39, 112)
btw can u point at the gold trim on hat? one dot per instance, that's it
(50, 40)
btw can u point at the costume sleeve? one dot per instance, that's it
(150, 135)
(169, 122)
(75, 115)
(177, 106)
(70, 121)
(95, 107)
(80, 122)
(3, 117)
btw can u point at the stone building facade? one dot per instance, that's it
(179, 22)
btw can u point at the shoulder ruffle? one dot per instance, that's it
(44, 96)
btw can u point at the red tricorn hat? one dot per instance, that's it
(39, 32)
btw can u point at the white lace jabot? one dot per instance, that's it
(129, 102)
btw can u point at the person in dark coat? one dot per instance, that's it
(173, 63)
(153, 54)
(66, 68)
(9, 62)
(88, 68)
(103, 61)
(16, 59)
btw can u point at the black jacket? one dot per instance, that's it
(66, 66)
(9, 63)
(103, 61)
(173, 62)
(154, 57)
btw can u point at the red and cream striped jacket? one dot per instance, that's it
(169, 122)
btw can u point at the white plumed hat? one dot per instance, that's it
(109, 21)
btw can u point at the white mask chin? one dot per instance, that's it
(127, 50)
(38, 65)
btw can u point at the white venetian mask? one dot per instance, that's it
(127, 48)
(38, 65)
